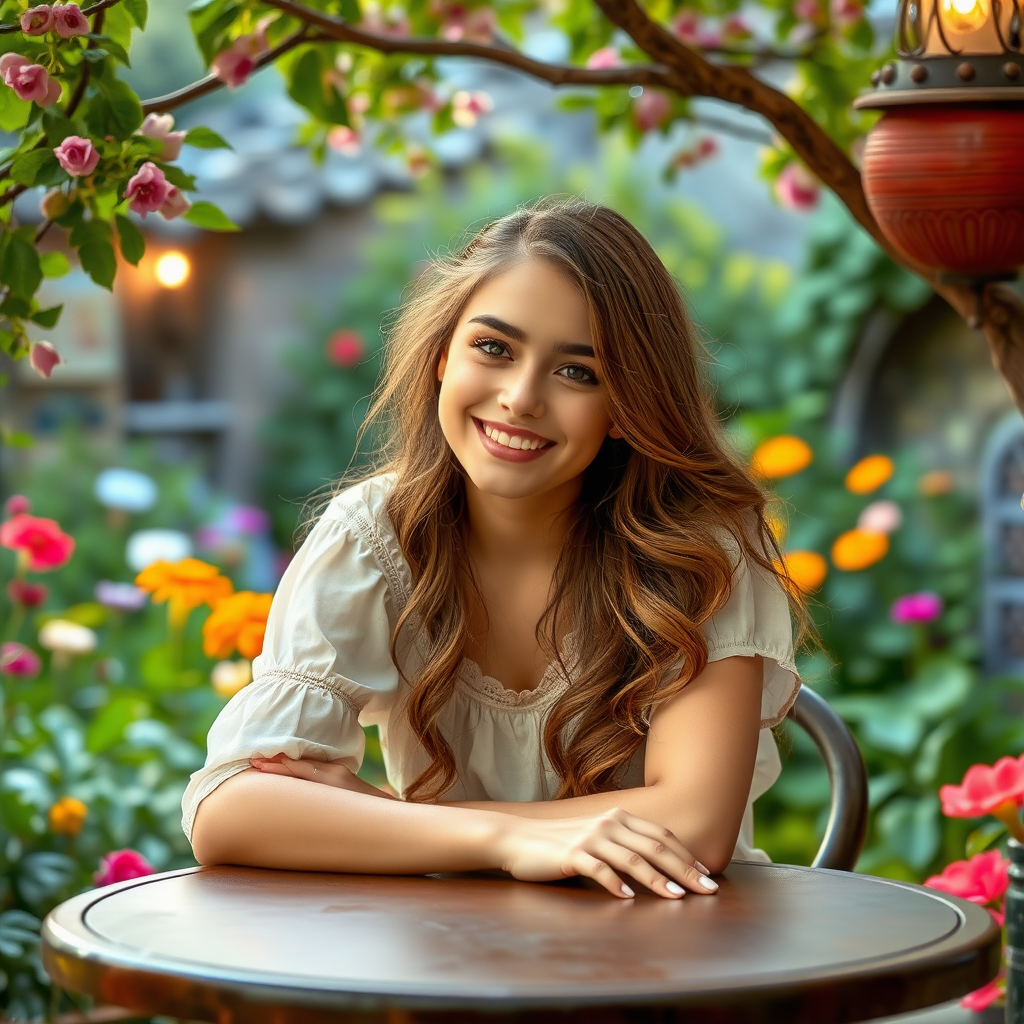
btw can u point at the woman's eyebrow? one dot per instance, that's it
(563, 347)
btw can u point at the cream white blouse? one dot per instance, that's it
(325, 671)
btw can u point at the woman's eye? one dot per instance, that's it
(487, 344)
(580, 374)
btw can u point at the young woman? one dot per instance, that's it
(556, 596)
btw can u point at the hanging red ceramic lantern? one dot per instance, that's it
(943, 168)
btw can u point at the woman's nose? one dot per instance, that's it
(522, 394)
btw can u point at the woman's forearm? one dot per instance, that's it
(269, 821)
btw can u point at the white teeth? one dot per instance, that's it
(515, 441)
(519, 442)
(503, 438)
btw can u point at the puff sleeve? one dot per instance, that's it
(325, 659)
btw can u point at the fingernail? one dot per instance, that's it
(675, 888)
(700, 867)
(629, 892)
(708, 883)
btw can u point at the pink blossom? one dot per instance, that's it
(807, 10)
(249, 519)
(37, 21)
(982, 879)
(687, 27)
(651, 109)
(148, 189)
(468, 106)
(19, 661)
(983, 997)
(121, 865)
(847, 12)
(234, 65)
(707, 147)
(473, 26)
(17, 504)
(28, 595)
(174, 205)
(345, 348)
(344, 140)
(77, 156)
(984, 788)
(796, 188)
(43, 357)
(880, 517)
(606, 57)
(735, 28)
(923, 606)
(29, 81)
(158, 127)
(69, 21)
(42, 540)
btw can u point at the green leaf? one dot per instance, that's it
(139, 11)
(210, 22)
(107, 728)
(310, 88)
(14, 113)
(19, 932)
(54, 264)
(20, 270)
(37, 167)
(57, 127)
(116, 50)
(124, 111)
(206, 215)
(16, 438)
(43, 876)
(93, 239)
(16, 306)
(47, 317)
(983, 837)
(205, 138)
(133, 245)
(177, 177)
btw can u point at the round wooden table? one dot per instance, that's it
(778, 943)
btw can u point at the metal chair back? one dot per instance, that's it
(848, 817)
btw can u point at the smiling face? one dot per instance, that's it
(520, 367)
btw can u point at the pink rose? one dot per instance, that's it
(29, 81)
(17, 504)
(234, 65)
(345, 348)
(797, 189)
(121, 865)
(148, 189)
(158, 126)
(921, 607)
(174, 205)
(77, 156)
(43, 357)
(19, 661)
(982, 879)
(651, 110)
(69, 21)
(45, 544)
(37, 21)
(606, 57)
(28, 595)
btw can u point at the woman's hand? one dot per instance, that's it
(330, 773)
(600, 847)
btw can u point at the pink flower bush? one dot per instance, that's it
(651, 110)
(17, 503)
(158, 127)
(606, 57)
(797, 189)
(345, 348)
(121, 865)
(77, 156)
(42, 540)
(43, 357)
(28, 595)
(984, 789)
(29, 81)
(982, 879)
(19, 661)
(148, 189)
(37, 21)
(921, 607)
(69, 20)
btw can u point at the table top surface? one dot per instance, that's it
(473, 942)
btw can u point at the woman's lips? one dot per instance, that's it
(501, 451)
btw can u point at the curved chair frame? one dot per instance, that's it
(848, 817)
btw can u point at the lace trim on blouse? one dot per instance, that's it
(317, 682)
(488, 690)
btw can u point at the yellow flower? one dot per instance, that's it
(67, 816)
(807, 569)
(776, 457)
(228, 677)
(858, 549)
(778, 528)
(869, 474)
(237, 622)
(935, 482)
(185, 584)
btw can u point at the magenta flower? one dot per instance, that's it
(19, 661)
(148, 189)
(923, 606)
(69, 21)
(29, 81)
(43, 357)
(983, 997)
(174, 205)
(41, 541)
(121, 865)
(77, 156)
(17, 504)
(37, 21)
(234, 65)
(345, 348)
(28, 595)
(985, 789)
(982, 879)
(248, 519)
(158, 127)
(797, 189)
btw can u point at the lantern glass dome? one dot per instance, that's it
(943, 28)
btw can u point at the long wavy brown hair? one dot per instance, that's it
(647, 557)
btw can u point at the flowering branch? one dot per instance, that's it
(97, 8)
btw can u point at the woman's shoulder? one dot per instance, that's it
(364, 500)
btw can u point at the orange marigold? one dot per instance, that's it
(238, 621)
(776, 457)
(858, 549)
(67, 816)
(185, 584)
(935, 482)
(807, 569)
(869, 474)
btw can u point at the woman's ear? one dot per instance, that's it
(442, 363)
(615, 432)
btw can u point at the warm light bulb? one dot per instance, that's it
(172, 269)
(965, 15)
